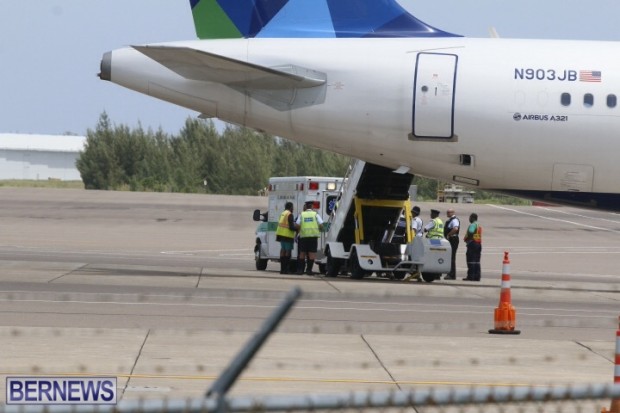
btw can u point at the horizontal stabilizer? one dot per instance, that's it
(203, 66)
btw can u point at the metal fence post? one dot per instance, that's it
(225, 381)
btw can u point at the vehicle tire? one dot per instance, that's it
(429, 277)
(261, 264)
(357, 272)
(332, 268)
(399, 275)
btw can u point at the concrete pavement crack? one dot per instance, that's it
(380, 362)
(68, 273)
(384, 367)
(135, 363)
(594, 351)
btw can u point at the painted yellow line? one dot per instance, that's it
(279, 379)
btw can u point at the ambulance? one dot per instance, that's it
(322, 191)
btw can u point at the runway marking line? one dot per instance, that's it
(552, 219)
(280, 379)
(310, 304)
(245, 251)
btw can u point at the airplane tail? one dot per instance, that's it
(222, 19)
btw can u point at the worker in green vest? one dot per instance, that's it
(309, 224)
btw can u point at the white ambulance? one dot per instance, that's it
(322, 191)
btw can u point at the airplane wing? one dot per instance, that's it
(203, 66)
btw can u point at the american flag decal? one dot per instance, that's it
(590, 75)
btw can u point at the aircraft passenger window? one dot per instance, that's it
(588, 100)
(565, 99)
(611, 101)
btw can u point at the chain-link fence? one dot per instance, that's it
(564, 399)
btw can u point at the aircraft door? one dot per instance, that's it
(433, 96)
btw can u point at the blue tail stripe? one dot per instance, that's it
(324, 18)
(369, 15)
(296, 11)
(402, 27)
(250, 16)
(378, 18)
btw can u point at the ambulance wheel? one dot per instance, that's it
(357, 272)
(332, 268)
(429, 277)
(261, 264)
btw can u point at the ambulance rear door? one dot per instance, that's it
(328, 204)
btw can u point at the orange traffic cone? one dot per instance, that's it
(505, 314)
(615, 403)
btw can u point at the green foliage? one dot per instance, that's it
(427, 191)
(485, 197)
(236, 161)
(427, 188)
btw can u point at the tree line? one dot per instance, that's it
(235, 161)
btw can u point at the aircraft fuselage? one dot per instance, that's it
(529, 117)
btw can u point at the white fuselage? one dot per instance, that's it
(484, 112)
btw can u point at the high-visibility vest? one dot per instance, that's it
(437, 230)
(477, 235)
(283, 228)
(309, 227)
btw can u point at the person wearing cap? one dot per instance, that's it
(285, 234)
(309, 224)
(417, 226)
(451, 233)
(434, 229)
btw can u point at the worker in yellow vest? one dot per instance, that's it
(434, 229)
(309, 224)
(285, 234)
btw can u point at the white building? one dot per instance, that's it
(40, 157)
(455, 194)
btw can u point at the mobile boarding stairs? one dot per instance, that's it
(363, 237)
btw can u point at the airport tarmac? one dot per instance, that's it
(160, 291)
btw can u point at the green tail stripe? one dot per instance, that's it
(212, 23)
